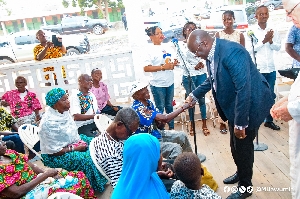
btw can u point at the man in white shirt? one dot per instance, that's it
(268, 41)
(83, 106)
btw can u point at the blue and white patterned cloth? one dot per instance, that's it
(147, 115)
(180, 191)
(41, 191)
(293, 37)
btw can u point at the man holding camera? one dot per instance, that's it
(47, 49)
(268, 41)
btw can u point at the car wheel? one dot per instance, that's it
(72, 52)
(98, 30)
(6, 61)
(271, 7)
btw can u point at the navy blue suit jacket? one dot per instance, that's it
(242, 95)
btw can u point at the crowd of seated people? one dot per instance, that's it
(63, 146)
(131, 150)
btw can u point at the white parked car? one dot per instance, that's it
(18, 47)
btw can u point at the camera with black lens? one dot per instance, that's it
(56, 42)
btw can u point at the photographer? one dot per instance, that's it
(47, 49)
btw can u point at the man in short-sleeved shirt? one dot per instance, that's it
(292, 45)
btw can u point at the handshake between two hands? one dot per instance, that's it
(189, 102)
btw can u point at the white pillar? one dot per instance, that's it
(25, 24)
(136, 35)
(44, 21)
(3, 28)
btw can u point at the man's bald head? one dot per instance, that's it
(200, 43)
(85, 82)
(289, 5)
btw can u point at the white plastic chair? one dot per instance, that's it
(64, 195)
(29, 136)
(102, 122)
(93, 153)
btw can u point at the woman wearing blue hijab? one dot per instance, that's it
(139, 178)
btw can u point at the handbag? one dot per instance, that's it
(291, 73)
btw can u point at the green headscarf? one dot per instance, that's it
(54, 95)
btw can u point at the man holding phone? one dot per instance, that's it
(47, 49)
(268, 42)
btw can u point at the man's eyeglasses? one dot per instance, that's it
(130, 132)
(290, 12)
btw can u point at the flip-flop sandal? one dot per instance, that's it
(223, 131)
(206, 132)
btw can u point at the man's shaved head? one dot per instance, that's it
(199, 43)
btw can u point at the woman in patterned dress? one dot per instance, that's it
(232, 35)
(24, 105)
(21, 179)
(61, 145)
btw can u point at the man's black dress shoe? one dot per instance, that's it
(271, 125)
(231, 179)
(239, 195)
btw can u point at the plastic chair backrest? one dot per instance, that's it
(102, 122)
(30, 136)
(93, 153)
(64, 195)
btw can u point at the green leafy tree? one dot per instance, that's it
(3, 5)
(98, 3)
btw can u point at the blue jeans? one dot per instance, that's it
(163, 98)
(19, 146)
(271, 78)
(198, 80)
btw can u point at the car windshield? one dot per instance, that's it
(216, 17)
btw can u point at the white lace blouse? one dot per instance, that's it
(56, 131)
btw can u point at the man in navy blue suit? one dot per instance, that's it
(242, 96)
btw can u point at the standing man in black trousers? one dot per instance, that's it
(242, 96)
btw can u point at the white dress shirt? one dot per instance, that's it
(264, 52)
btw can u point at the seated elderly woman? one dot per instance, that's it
(21, 179)
(61, 145)
(24, 105)
(172, 143)
(109, 144)
(139, 178)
